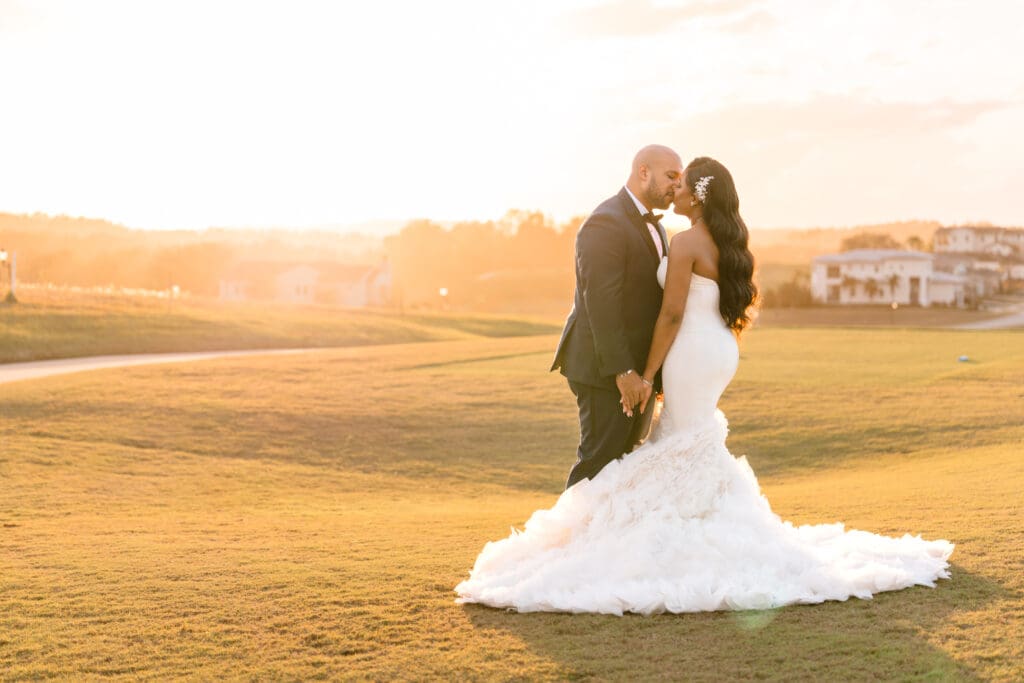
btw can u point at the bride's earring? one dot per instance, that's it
(694, 202)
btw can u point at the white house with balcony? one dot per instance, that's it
(884, 276)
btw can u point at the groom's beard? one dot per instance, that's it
(655, 199)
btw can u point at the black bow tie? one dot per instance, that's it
(652, 217)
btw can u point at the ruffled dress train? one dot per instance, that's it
(680, 524)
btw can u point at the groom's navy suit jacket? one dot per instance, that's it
(617, 296)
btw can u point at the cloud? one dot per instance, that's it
(887, 59)
(754, 22)
(834, 160)
(827, 116)
(644, 18)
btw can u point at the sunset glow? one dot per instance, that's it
(196, 114)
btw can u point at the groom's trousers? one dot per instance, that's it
(605, 432)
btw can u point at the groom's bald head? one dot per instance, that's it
(654, 154)
(656, 174)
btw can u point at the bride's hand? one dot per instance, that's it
(646, 396)
(627, 408)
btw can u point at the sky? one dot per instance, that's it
(192, 114)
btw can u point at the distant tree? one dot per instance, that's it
(423, 262)
(791, 294)
(521, 258)
(535, 242)
(850, 284)
(196, 268)
(894, 280)
(479, 247)
(572, 225)
(872, 289)
(515, 220)
(869, 240)
(915, 243)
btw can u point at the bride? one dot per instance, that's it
(679, 524)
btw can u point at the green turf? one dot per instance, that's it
(91, 325)
(307, 516)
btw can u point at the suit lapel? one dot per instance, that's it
(638, 223)
(664, 238)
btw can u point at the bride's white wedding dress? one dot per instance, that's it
(680, 525)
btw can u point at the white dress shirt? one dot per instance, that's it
(651, 227)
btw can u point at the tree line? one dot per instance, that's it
(522, 262)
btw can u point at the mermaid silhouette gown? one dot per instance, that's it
(680, 525)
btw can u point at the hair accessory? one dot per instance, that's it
(701, 188)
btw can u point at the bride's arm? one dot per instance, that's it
(677, 286)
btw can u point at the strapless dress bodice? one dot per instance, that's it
(701, 313)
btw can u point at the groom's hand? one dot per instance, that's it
(631, 389)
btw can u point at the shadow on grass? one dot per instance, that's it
(879, 639)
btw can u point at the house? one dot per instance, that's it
(970, 263)
(324, 282)
(885, 276)
(992, 257)
(1004, 242)
(373, 288)
(986, 275)
(244, 281)
(269, 281)
(951, 290)
(296, 285)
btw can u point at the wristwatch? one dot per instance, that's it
(627, 372)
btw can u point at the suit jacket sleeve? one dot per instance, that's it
(601, 260)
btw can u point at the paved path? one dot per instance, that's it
(1013, 317)
(15, 372)
(1003, 323)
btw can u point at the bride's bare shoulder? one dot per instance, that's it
(686, 242)
(694, 241)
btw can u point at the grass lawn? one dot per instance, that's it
(871, 316)
(47, 325)
(42, 326)
(307, 516)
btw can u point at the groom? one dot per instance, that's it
(608, 333)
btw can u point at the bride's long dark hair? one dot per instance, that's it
(737, 291)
